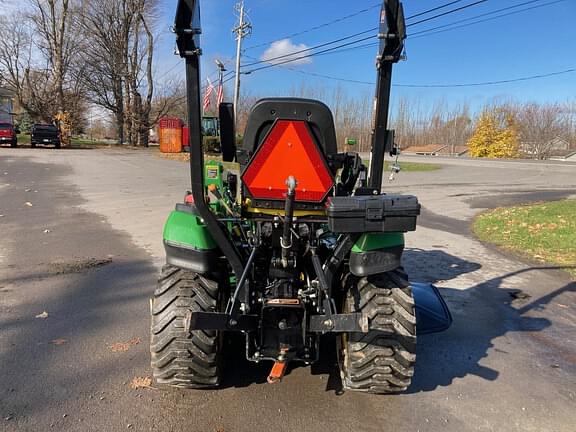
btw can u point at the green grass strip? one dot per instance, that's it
(545, 232)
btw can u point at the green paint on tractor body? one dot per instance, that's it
(375, 241)
(187, 229)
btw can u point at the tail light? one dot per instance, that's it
(289, 149)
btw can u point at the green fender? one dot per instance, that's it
(188, 243)
(376, 253)
(375, 241)
(186, 228)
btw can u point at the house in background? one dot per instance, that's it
(437, 150)
(6, 106)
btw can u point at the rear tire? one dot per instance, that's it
(381, 361)
(179, 358)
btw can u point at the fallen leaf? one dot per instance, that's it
(141, 382)
(28, 203)
(43, 315)
(124, 346)
(59, 341)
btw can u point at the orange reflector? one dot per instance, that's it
(289, 149)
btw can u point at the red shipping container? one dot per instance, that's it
(170, 134)
(185, 136)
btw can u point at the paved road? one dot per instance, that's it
(87, 250)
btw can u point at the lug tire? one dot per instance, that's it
(179, 358)
(382, 360)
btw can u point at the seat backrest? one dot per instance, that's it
(266, 111)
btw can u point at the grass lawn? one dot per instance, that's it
(405, 166)
(23, 139)
(413, 166)
(81, 142)
(408, 166)
(545, 232)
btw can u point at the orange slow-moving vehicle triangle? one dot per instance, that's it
(288, 150)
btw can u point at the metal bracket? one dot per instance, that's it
(339, 323)
(220, 321)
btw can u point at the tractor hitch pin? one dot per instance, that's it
(286, 240)
(279, 368)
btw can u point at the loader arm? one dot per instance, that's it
(391, 33)
(188, 29)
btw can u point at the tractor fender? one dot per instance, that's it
(188, 243)
(375, 253)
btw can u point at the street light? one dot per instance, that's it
(220, 65)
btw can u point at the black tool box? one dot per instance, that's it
(380, 213)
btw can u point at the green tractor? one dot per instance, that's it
(292, 243)
(211, 134)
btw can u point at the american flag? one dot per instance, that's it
(207, 94)
(220, 94)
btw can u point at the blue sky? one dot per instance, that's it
(537, 41)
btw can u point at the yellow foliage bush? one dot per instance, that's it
(495, 135)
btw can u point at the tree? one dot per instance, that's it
(494, 135)
(539, 125)
(119, 63)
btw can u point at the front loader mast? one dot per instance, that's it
(188, 29)
(392, 32)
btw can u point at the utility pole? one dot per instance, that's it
(242, 30)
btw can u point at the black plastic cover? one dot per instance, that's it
(380, 213)
(198, 260)
(266, 111)
(377, 261)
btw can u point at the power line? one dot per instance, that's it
(488, 83)
(336, 50)
(311, 29)
(447, 12)
(352, 15)
(477, 16)
(285, 56)
(434, 9)
(304, 56)
(428, 32)
(475, 84)
(312, 48)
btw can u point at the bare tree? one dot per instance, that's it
(56, 39)
(119, 63)
(539, 126)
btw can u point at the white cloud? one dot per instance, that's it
(283, 48)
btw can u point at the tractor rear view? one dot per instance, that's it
(295, 242)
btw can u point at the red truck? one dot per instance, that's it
(8, 134)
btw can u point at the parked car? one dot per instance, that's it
(45, 134)
(8, 134)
